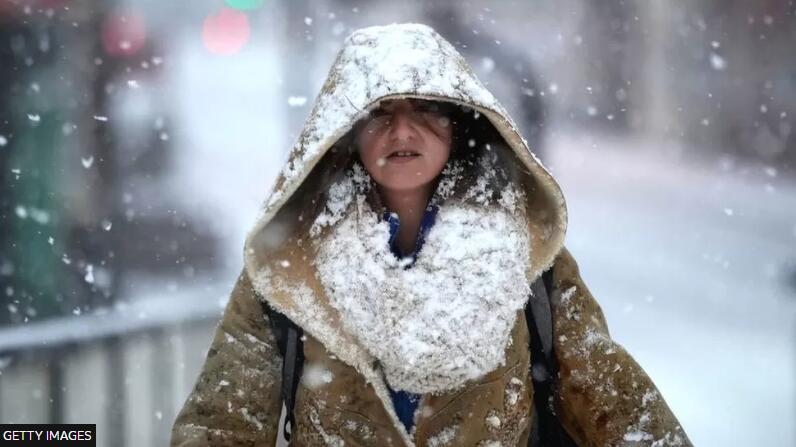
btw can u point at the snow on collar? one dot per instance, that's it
(446, 320)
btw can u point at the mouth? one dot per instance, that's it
(405, 154)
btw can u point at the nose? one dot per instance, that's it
(401, 127)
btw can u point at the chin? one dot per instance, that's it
(404, 184)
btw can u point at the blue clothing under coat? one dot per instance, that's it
(406, 403)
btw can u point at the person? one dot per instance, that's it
(403, 237)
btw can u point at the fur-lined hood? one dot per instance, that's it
(378, 63)
(397, 61)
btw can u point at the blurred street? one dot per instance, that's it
(694, 264)
(137, 138)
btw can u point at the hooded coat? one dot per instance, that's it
(603, 398)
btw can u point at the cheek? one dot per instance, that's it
(367, 153)
(443, 148)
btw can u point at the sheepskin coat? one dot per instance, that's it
(317, 226)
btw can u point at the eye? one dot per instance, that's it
(377, 119)
(428, 107)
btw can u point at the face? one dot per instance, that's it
(405, 143)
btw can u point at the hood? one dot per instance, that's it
(377, 63)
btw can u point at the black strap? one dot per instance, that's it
(288, 339)
(547, 430)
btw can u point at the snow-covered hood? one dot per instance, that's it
(376, 63)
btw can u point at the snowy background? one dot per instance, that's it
(137, 139)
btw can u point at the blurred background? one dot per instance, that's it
(138, 137)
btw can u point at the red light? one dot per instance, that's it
(123, 33)
(226, 32)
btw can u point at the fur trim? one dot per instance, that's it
(447, 319)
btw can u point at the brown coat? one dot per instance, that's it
(605, 398)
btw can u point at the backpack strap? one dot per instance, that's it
(547, 430)
(288, 339)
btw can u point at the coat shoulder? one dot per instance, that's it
(236, 399)
(604, 396)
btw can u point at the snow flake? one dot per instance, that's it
(296, 101)
(89, 277)
(39, 216)
(251, 419)
(493, 421)
(6, 268)
(338, 28)
(87, 162)
(21, 212)
(513, 390)
(315, 376)
(68, 128)
(637, 436)
(329, 439)
(650, 396)
(627, 308)
(444, 437)
(717, 62)
(488, 64)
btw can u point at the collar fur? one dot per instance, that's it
(447, 320)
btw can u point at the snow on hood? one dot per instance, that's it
(404, 60)
(377, 63)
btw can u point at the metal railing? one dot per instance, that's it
(128, 369)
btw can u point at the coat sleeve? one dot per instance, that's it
(604, 397)
(236, 400)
